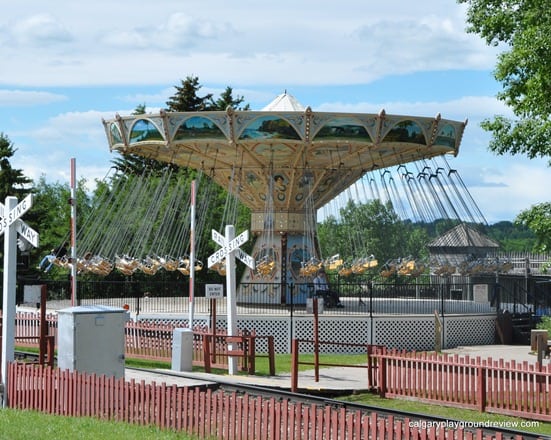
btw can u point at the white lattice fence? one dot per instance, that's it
(414, 332)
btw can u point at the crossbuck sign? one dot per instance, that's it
(21, 227)
(10, 226)
(233, 245)
(229, 250)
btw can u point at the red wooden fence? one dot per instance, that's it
(206, 414)
(210, 349)
(510, 388)
(150, 340)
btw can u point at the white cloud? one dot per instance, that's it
(285, 43)
(67, 126)
(40, 30)
(511, 186)
(255, 48)
(476, 107)
(14, 98)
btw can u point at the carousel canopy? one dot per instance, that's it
(307, 157)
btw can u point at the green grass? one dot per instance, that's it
(24, 425)
(282, 361)
(449, 412)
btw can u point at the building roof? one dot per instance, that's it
(463, 236)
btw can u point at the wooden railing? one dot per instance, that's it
(148, 340)
(210, 349)
(370, 365)
(509, 388)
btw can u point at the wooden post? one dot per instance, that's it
(206, 347)
(481, 385)
(381, 368)
(271, 355)
(294, 365)
(252, 351)
(213, 327)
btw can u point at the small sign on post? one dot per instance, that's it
(214, 291)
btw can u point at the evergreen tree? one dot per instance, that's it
(12, 181)
(186, 98)
(226, 100)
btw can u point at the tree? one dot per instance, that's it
(12, 181)
(538, 219)
(512, 237)
(227, 100)
(371, 228)
(524, 27)
(186, 98)
(51, 214)
(524, 69)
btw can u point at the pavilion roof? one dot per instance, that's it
(284, 103)
(463, 236)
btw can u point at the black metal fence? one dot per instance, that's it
(481, 295)
(164, 296)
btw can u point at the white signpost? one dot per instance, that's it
(229, 251)
(10, 226)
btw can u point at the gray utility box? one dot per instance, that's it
(91, 339)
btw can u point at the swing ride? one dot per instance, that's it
(286, 163)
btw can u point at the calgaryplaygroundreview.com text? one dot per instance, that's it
(485, 424)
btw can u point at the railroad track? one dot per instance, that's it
(304, 398)
(310, 399)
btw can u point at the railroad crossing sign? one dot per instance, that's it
(227, 248)
(10, 226)
(20, 226)
(26, 232)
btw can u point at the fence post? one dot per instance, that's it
(481, 384)
(271, 355)
(252, 353)
(206, 347)
(371, 364)
(381, 369)
(245, 339)
(294, 365)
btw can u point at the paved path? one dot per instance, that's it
(330, 379)
(518, 353)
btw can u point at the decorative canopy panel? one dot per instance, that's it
(304, 153)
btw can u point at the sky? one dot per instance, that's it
(68, 65)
